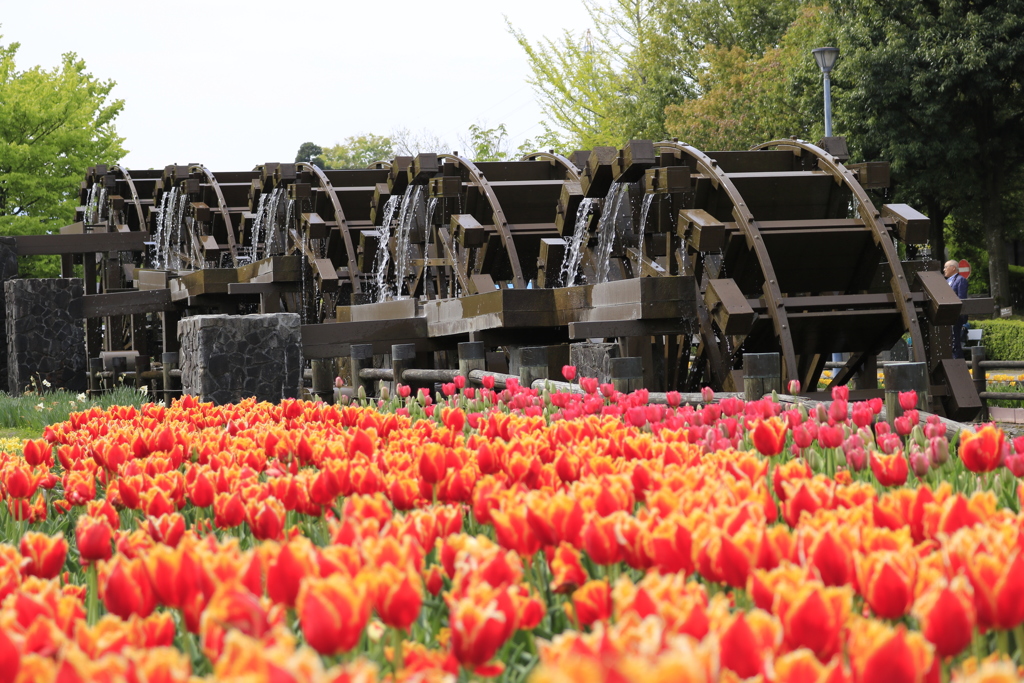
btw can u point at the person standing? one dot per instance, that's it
(959, 284)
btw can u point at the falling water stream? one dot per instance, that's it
(648, 199)
(574, 253)
(383, 257)
(403, 246)
(606, 229)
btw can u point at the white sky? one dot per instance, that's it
(231, 84)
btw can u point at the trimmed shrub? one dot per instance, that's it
(1003, 339)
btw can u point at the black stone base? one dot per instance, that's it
(44, 340)
(226, 358)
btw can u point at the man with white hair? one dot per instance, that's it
(952, 272)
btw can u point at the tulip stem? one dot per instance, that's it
(396, 638)
(1003, 638)
(92, 598)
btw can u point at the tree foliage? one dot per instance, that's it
(55, 124)
(937, 90)
(311, 153)
(358, 151)
(747, 95)
(643, 56)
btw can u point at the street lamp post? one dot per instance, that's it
(826, 59)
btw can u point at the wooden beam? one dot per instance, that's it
(86, 243)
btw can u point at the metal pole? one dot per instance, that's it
(828, 105)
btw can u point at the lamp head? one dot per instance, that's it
(825, 57)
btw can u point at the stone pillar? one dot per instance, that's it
(226, 358)
(45, 338)
(593, 360)
(8, 271)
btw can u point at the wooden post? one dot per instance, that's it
(323, 379)
(170, 362)
(472, 356)
(95, 366)
(403, 357)
(867, 376)
(980, 383)
(362, 357)
(905, 377)
(762, 374)
(627, 374)
(533, 364)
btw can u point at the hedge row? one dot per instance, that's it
(1003, 339)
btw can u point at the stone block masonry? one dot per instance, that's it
(8, 270)
(45, 340)
(226, 358)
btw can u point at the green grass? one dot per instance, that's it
(25, 417)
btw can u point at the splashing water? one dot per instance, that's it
(403, 247)
(264, 230)
(606, 229)
(166, 226)
(574, 254)
(383, 257)
(431, 205)
(648, 199)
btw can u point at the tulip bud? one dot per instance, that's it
(385, 394)
(856, 459)
(361, 393)
(919, 462)
(938, 451)
(821, 412)
(793, 386)
(707, 394)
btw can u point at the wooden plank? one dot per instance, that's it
(913, 225)
(331, 340)
(126, 303)
(943, 304)
(86, 243)
(729, 307)
(625, 328)
(980, 306)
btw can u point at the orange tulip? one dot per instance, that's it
(592, 602)
(769, 436)
(832, 558)
(813, 616)
(671, 545)
(398, 596)
(886, 579)
(998, 583)
(889, 470)
(228, 510)
(513, 531)
(333, 612)
(801, 666)
(880, 653)
(947, 615)
(93, 536)
(481, 622)
(285, 571)
(567, 573)
(601, 539)
(746, 641)
(126, 589)
(266, 519)
(20, 481)
(981, 451)
(44, 555)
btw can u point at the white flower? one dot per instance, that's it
(40, 406)
(81, 397)
(46, 383)
(144, 389)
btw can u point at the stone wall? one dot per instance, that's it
(225, 358)
(45, 341)
(8, 271)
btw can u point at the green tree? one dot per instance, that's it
(487, 144)
(747, 95)
(358, 151)
(614, 82)
(311, 153)
(938, 92)
(55, 124)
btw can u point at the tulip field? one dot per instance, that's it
(512, 536)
